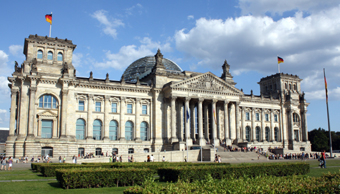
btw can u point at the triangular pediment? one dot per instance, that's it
(207, 81)
(48, 113)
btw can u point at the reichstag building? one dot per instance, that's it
(155, 106)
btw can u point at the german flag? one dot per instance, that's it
(279, 60)
(48, 18)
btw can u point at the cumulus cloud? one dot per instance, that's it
(190, 17)
(3, 111)
(110, 24)
(127, 54)
(4, 89)
(135, 8)
(3, 59)
(278, 7)
(77, 59)
(15, 49)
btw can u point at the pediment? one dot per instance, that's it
(207, 81)
(47, 113)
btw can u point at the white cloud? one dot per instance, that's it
(110, 24)
(3, 111)
(3, 59)
(127, 54)
(260, 7)
(4, 89)
(15, 49)
(135, 8)
(190, 17)
(77, 59)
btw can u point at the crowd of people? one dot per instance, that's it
(6, 162)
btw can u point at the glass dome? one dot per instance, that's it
(143, 66)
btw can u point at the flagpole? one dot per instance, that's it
(329, 126)
(278, 65)
(50, 28)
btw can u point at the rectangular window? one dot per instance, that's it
(144, 109)
(296, 135)
(114, 107)
(267, 117)
(81, 105)
(275, 118)
(47, 101)
(129, 108)
(247, 116)
(46, 129)
(257, 115)
(98, 106)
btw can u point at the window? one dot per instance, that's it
(81, 152)
(40, 54)
(60, 57)
(114, 107)
(98, 151)
(146, 150)
(80, 129)
(257, 115)
(46, 129)
(248, 133)
(113, 130)
(266, 117)
(114, 150)
(290, 86)
(97, 129)
(98, 106)
(276, 133)
(46, 150)
(247, 116)
(267, 130)
(129, 108)
(144, 109)
(81, 105)
(286, 86)
(128, 130)
(258, 133)
(296, 135)
(275, 118)
(295, 118)
(144, 131)
(49, 55)
(131, 151)
(47, 101)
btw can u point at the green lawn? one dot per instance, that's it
(51, 187)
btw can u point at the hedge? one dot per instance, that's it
(37, 166)
(192, 173)
(49, 170)
(328, 183)
(101, 177)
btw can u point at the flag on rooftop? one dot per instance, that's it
(48, 18)
(279, 60)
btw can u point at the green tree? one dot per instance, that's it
(319, 139)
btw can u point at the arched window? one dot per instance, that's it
(98, 151)
(128, 130)
(113, 130)
(144, 131)
(131, 151)
(80, 129)
(295, 118)
(48, 101)
(46, 128)
(146, 150)
(60, 56)
(97, 129)
(290, 86)
(46, 150)
(248, 133)
(114, 151)
(258, 133)
(49, 55)
(276, 133)
(267, 133)
(39, 54)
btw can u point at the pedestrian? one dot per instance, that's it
(3, 163)
(219, 159)
(121, 158)
(110, 159)
(151, 158)
(59, 159)
(148, 158)
(163, 159)
(323, 159)
(74, 159)
(64, 160)
(185, 159)
(132, 159)
(10, 163)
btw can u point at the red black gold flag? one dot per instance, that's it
(279, 60)
(48, 18)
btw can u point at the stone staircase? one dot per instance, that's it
(238, 156)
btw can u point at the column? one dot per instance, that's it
(272, 130)
(192, 121)
(187, 126)
(200, 122)
(64, 94)
(238, 135)
(291, 124)
(14, 93)
(137, 123)
(253, 127)
(213, 123)
(226, 122)
(107, 110)
(122, 115)
(232, 122)
(23, 112)
(33, 91)
(242, 124)
(206, 121)
(173, 120)
(181, 120)
(305, 132)
(263, 131)
(89, 134)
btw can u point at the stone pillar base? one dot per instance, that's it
(157, 141)
(216, 142)
(106, 139)
(30, 137)
(11, 138)
(202, 142)
(174, 140)
(228, 142)
(138, 140)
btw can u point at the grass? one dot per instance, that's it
(52, 187)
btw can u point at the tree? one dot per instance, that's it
(319, 139)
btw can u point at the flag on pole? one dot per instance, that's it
(48, 18)
(326, 90)
(279, 60)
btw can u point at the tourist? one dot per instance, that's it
(129, 159)
(64, 160)
(163, 159)
(110, 159)
(219, 159)
(151, 158)
(216, 158)
(132, 159)
(121, 158)
(10, 163)
(185, 159)
(323, 159)
(148, 158)
(74, 159)
(3, 163)
(59, 159)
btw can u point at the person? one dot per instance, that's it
(110, 159)
(216, 158)
(3, 163)
(163, 159)
(46, 158)
(219, 159)
(129, 159)
(185, 159)
(148, 158)
(303, 156)
(59, 159)
(10, 163)
(64, 160)
(323, 159)
(132, 159)
(121, 158)
(151, 158)
(74, 159)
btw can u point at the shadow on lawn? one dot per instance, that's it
(55, 185)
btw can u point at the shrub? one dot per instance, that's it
(101, 177)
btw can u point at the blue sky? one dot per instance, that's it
(197, 35)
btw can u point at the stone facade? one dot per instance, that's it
(53, 111)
